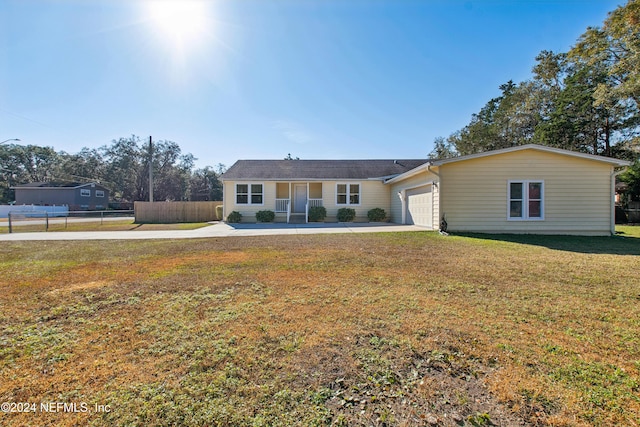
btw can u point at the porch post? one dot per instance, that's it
(290, 201)
(306, 210)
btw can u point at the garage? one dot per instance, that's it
(420, 206)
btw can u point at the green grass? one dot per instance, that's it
(375, 329)
(628, 231)
(119, 225)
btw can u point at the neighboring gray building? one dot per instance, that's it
(78, 196)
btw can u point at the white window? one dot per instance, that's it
(526, 200)
(99, 193)
(348, 194)
(249, 194)
(85, 192)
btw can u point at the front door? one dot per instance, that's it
(299, 198)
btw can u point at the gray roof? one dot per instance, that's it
(56, 184)
(318, 169)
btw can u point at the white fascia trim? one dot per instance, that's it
(410, 173)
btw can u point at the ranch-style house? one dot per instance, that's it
(530, 189)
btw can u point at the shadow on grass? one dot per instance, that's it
(620, 244)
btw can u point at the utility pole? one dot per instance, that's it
(150, 169)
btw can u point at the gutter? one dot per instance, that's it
(409, 173)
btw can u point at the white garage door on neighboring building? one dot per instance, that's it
(420, 206)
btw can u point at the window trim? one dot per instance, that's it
(85, 192)
(525, 200)
(249, 193)
(348, 194)
(100, 193)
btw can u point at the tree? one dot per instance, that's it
(172, 171)
(21, 164)
(122, 166)
(442, 149)
(615, 47)
(87, 165)
(631, 177)
(205, 184)
(124, 169)
(127, 169)
(505, 121)
(574, 121)
(585, 100)
(36, 164)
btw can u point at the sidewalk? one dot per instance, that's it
(216, 230)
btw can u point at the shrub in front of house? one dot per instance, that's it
(377, 215)
(265, 216)
(317, 213)
(234, 216)
(346, 214)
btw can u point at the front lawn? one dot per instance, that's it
(38, 225)
(376, 329)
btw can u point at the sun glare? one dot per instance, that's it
(180, 24)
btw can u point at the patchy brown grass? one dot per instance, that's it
(385, 329)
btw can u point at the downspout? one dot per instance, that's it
(614, 174)
(435, 184)
(401, 195)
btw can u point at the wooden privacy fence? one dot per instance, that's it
(172, 212)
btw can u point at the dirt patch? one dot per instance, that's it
(369, 380)
(82, 286)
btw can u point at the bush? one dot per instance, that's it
(377, 215)
(265, 216)
(219, 212)
(346, 214)
(317, 213)
(234, 216)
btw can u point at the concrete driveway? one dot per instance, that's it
(217, 230)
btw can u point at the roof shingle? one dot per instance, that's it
(318, 169)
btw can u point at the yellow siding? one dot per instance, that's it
(248, 212)
(282, 190)
(315, 190)
(415, 181)
(577, 193)
(373, 194)
(227, 197)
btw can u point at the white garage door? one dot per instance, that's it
(419, 206)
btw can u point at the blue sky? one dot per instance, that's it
(250, 79)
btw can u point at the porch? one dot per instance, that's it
(294, 199)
